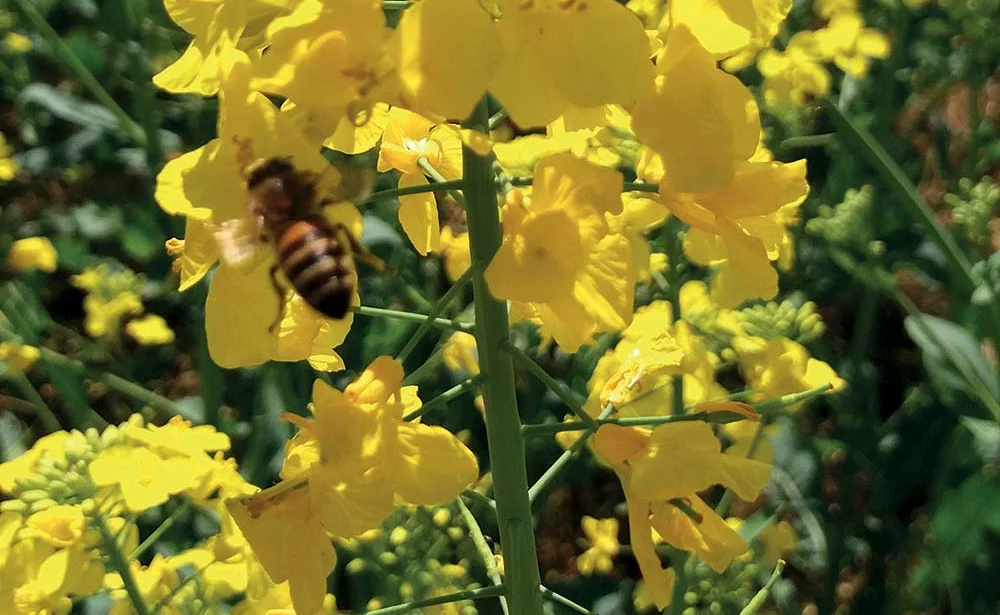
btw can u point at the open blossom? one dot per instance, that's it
(559, 257)
(409, 139)
(208, 188)
(344, 472)
(646, 462)
(539, 58)
(602, 536)
(33, 253)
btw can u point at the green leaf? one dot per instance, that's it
(953, 358)
(985, 436)
(68, 107)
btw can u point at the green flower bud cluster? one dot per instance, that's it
(785, 320)
(710, 593)
(60, 476)
(417, 553)
(987, 276)
(848, 224)
(972, 209)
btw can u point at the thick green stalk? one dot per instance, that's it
(503, 425)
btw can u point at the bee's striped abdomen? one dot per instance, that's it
(319, 266)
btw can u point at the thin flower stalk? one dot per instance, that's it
(503, 425)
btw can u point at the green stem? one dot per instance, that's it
(160, 530)
(120, 565)
(864, 142)
(485, 500)
(42, 410)
(758, 600)
(64, 53)
(564, 601)
(503, 425)
(804, 141)
(428, 320)
(469, 594)
(434, 174)
(553, 470)
(442, 323)
(551, 383)
(455, 391)
(485, 553)
(382, 195)
(429, 366)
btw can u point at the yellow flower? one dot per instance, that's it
(701, 120)
(342, 473)
(18, 357)
(408, 139)
(559, 256)
(155, 582)
(144, 478)
(778, 539)
(8, 167)
(60, 526)
(111, 296)
(39, 579)
(179, 437)
(150, 330)
(738, 227)
(829, 8)
(641, 215)
(538, 58)
(602, 536)
(794, 75)
(207, 187)
(778, 367)
(326, 59)
(725, 27)
(33, 253)
(850, 44)
(455, 252)
(645, 462)
(17, 42)
(216, 26)
(460, 354)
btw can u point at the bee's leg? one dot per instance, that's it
(279, 290)
(360, 252)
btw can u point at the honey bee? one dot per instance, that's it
(316, 255)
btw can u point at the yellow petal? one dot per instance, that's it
(710, 538)
(357, 135)
(446, 52)
(747, 274)
(353, 506)
(239, 310)
(289, 541)
(522, 84)
(434, 466)
(419, 215)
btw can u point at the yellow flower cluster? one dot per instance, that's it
(113, 298)
(74, 496)
(344, 472)
(798, 73)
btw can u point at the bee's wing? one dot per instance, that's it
(238, 240)
(346, 182)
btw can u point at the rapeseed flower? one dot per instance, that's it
(33, 253)
(455, 253)
(460, 353)
(701, 120)
(111, 296)
(727, 27)
(602, 538)
(144, 478)
(645, 462)
(39, 578)
(150, 330)
(409, 141)
(850, 44)
(779, 367)
(793, 76)
(207, 187)
(559, 257)
(18, 357)
(343, 473)
(539, 58)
